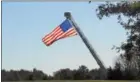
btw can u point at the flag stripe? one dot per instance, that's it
(62, 31)
(47, 44)
(63, 35)
(50, 34)
(55, 32)
(54, 38)
(72, 33)
(66, 34)
(53, 35)
(60, 36)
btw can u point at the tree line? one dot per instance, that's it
(82, 73)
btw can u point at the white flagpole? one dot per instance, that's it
(85, 40)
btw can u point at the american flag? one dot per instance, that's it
(66, 29)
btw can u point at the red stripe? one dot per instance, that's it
(50, 34)
(70, 33)
(48, 39)
(64, 34)
(57, 34)
(54, 38)
(67, 33)
(53, 35)
(49, 43)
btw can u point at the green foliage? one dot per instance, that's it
(14, 75)
(82, 73)
(130, 59)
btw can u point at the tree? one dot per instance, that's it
(117, 73)
(95, 74)
(130, 10)
(30, 77)
(4, 75)
(45, 77)
(83, 72)
(50, 78)
(110, 72)
(63, 74)
(14, 75)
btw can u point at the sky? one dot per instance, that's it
(24, 24)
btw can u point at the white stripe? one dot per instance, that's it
(48, 35)
(52, 34)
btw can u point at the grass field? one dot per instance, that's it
(78, 81)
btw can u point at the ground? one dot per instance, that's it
(78, 81)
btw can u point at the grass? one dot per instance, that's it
(78, 81)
